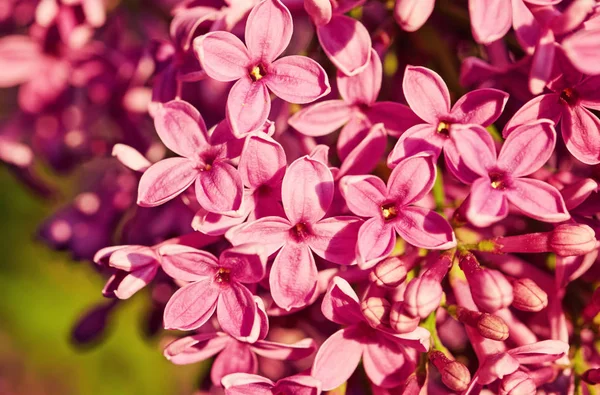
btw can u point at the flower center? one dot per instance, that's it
(257, 72)
(498, 180)
(300, 231)
(444, 128)
(389, 211)
(222, 276)
(569, 96)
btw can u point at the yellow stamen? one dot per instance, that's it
(255, 73)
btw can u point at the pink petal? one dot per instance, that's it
(247, 262)
(376, 239)
(412, 14)
(397, 118)
(412, 179)
(337, 358)
(293, 278)
(526, 27)
(213, 224)
(222, 55)
(581, 133)
(527, 148)
(184, 24)
(268, 30)
(237, 357)
(219, 189)
(481, 106)
(364, 158)
(192, 349)
(352, 134)
(486, 204)
(477, 150)
(236, 310)
(320, 11)
(165, 180)
(490, 20)
(285, 352)
(191, 306)
(321, 118)
(297, 79)
(385, 363)
(20, 58)
(307, 190)
(452, 157)
(243, 384)
(135, 281)
(130, 157)
(419, 339)
(248, 106)
(181, 128)
(426, 93)
(425, 228)
(538, 200)
(582, 49)
(543, 58)
(589, 92)
(332, 236)
(299, 385)
(271, 232)
(346, 43)
(544, 106)
(130, 258)
(362, 88)
(540, 352)
(340, 303)
(262, 162)
(419, 138)
(364, 194)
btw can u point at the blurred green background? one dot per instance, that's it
(42, 294)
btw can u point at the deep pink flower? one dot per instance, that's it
(428, 96)
(307, 193)
(388, 358)
(205, 162)
(214, 285)
(244, 384)
(391, 210)
(501, 178)
(357, 111)
(346, 42)
(297, 79)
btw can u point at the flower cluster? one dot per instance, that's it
(304, 228)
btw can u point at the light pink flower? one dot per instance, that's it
(502, 179)
(391, 210)
(388, 358)
(357, 111)
(412, 14)
(307, 193)
(428, 96)
(205, 162)
(214, 285)
(296, 79)
(244, 384)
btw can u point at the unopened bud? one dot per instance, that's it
(455, 375)
(488, 325)
(400, 321)
(390, 272)
(527, 296)
(573, 240)
(591, 376)
(376, 311)
(424, 293)
(490, 289)
(517, 383)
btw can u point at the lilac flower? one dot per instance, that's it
(205, 162)
(214, 285)
(242, 383)
(387, 358)
(501, 179)
(428, 96)
(224, 57)
(390, 210)
(412, 14)
(307, 193)
(357, 111)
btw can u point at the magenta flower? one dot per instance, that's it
(345, 40)
(214, 285)
(307, 193)
(205, 161)
(297, 79)
(428, 96)
(244, 384)
(388, 358)
(357, 112)
(391, 210)
(569, 104)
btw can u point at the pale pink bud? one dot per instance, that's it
(488, 325)
(591, 376)
(528, 296)
(490, 289)
(455, 375)
(517, 383)
(424, 293)
(400, 321)
(573, 240)
(391, 272)
(376, 311)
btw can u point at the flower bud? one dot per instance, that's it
(488, 325)
(390, 272)
(527, 296)
(490, 289)
(591, 376)
(400, 321)
(376, 311)
(455, 375)
(422, 296)
(572, 240)
(517, 383)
